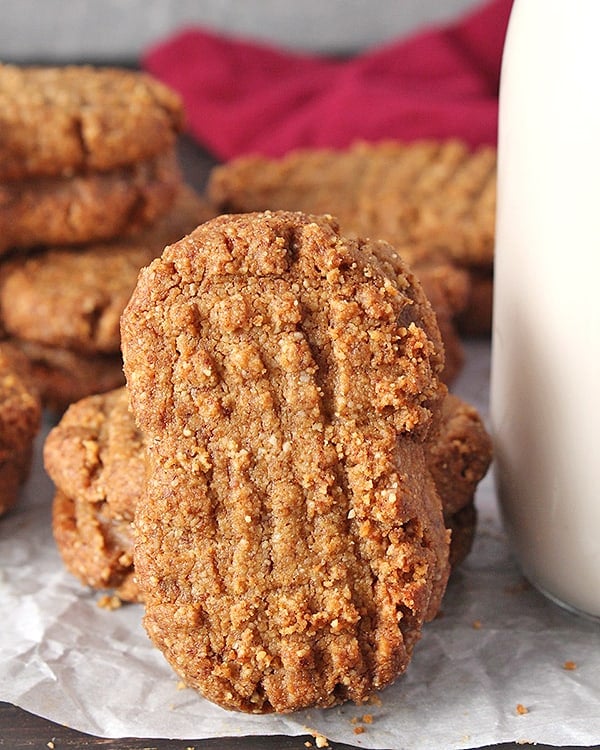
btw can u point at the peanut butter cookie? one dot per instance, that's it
(437, 195)
(96, 458)
(58, 121)
(40, 303)
(20, 414)
(87, 207)
(290, 541)
(63, 376)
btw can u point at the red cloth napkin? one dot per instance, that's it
(243, 97)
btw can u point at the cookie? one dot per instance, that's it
(475, 319)
(96, 458)
(433, 193)
(63, 376)
(437, 195)
(460, 455)
(40, 303)
(87, 207)
(20, 414)
(58, 121)
(290, 541)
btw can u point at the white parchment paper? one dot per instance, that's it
(498, 645)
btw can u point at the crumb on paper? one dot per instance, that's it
(521, 709)
(181, 685)
(50, 744)
(476, 624)
(109, 601)
(359, 722)
(320, 739)
(569, 665)
(375, 700)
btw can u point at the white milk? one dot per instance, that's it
(545, 398)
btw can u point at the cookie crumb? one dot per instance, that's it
(359, 729)
(51, 744)
(521, 709)
(569, 665)
(109, 601)
(476, 624)
(181, 685)
(320, 739)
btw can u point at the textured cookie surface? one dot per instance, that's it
(461, 453)
(96, 458)
(290, 541)
(39, 301)
(437, 194)
(63, 376)
(20, 413)
(87, 207)
(61, 120)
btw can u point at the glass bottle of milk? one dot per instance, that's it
(545, 392)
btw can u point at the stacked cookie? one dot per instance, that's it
(434, 201)
(86, 154)
(298, 478)
(61, 305)
(20, 411)
(90, 190)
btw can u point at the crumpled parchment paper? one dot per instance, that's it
(493, 668)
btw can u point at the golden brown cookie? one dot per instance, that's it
(437, 195)
(460, 455)
(87, 207)
(290, 541)
(63, 376)
(432, 193)
(476, 316)
(39, 301)
(96, 458)
(58, 121)
(20, 414)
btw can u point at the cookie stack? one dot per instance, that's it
(90, 190)
(298, 478)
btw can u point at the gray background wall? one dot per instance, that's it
(118, 30)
